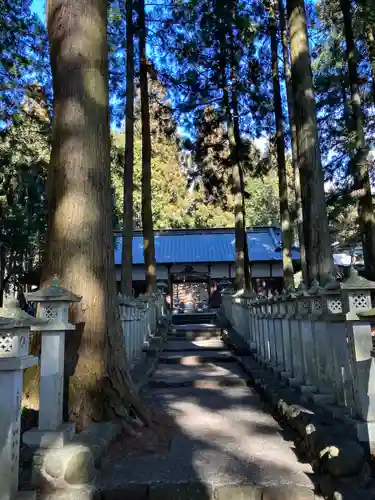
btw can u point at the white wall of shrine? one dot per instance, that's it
(216, 271)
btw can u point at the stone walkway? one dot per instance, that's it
(226, 444)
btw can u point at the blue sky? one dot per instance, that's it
(38, 7)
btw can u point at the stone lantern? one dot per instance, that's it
(53, 302)
(15, 327)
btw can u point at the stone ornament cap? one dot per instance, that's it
(124, 300)
(356, 282)
(315, 288)
(332, 285)
(20, 319)
(6, 323)
(302, 291)
(53, 293)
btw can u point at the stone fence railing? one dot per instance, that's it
(320, 341)
(139, 319)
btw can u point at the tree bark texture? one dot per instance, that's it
(319, 257)
(127, 232)
(80, 246)
(286, 227)
(238, 159)
(293, 140)
(359, 165)
(147, 222)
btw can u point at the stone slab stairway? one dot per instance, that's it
(226, 445)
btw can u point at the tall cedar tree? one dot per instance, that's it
(239, 222)
(147, 222)
(359, 166)
(286, 226)
(293, 138)
(127, 231)
(319, 257)
(80, 240)
(239, 160)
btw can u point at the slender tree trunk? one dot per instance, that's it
(316, 231)
(359, 164)
(127, 231)
(293, 140)
(147, 222)
(239, 160)
(240, 243)
(370, 42)
(80, 240)
(286, 226)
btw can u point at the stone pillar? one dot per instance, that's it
(287, 344)
(53, 306)
(307, 340)
(298, 376)
(356, 305)
(277, 320)
(14, 358)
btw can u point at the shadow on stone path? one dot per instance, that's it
(225, 444)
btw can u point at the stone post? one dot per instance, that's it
(53, 305)
(14, 358)
(356, 305)
(128, 321)
(304, 300)
(286, 336)
(277, 320)
(298, 376)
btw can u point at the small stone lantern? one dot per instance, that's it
(14, 358)
(53, 304)
(356, 293)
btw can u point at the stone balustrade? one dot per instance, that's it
(139, 319)
(319, 341)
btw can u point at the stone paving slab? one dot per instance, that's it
(224, 436)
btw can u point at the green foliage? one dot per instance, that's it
(24, 156)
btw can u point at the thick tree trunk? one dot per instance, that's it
(147, 222)
(359, 164)
(293, 141)
(80, 239)
(127, 231)
(239, 160)
(286, 226)
(316, 231)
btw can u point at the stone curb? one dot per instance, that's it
(338, 459)
(199, 491)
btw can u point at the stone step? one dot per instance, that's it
(215, 383)
(198, 358)
(194, 345)
(176, 374)
(194, 336)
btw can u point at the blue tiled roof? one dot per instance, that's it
(207, 246)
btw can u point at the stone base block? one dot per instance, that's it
(279, 369)
(36, 438)
(25, 495)
(366, 434)
(295, 382)
(285, 375)
(252, 346)
(308, 389)
(327, 399)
